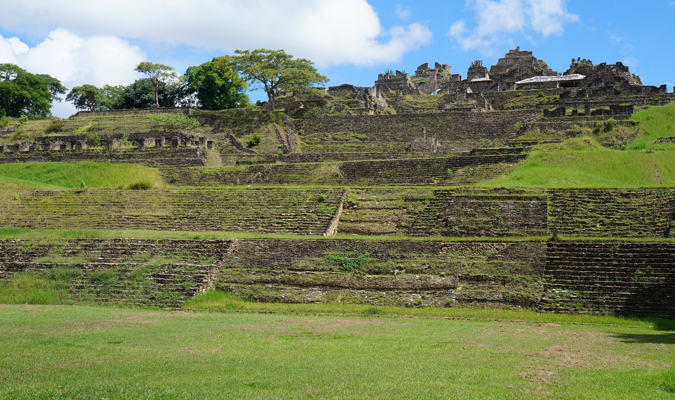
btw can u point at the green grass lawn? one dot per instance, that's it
(74, 352)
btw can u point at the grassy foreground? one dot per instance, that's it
(59, 352)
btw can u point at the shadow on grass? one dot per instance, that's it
(657, 338)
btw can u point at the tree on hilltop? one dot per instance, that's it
(23, 93)
(274, 70)
(216, 85)
(87, 97)
(158, 74)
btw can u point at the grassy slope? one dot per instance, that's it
(655, 122)
(581, 162)
(62, 352)
(73, 175)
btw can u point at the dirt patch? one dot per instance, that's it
(541, 375)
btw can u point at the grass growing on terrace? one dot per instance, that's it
(656, 122)
(78, 175)
(582, 163)
(61, 352)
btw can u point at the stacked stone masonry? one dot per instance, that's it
(304, 212)
(162, 273)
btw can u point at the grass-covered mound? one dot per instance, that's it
(79, 175)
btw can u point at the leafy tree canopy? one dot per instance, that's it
(274, 71)
(87, 97)
(114, 97)
(216, 86)
(23, 93)
(158, 74)
(140, 95)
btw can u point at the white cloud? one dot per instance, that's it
(497, 19)
(403, 13)
(75, 61)
(328, 32)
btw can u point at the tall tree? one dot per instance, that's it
(23, 93)
(274, 70)
(158, 74)
(87, 97)
(216, 86)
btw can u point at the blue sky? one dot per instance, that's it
(351, 41)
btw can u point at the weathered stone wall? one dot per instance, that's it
(411, 171)
(304, 212)
(179, 157)
(612, 212)
(456, 131)
(418, 274)
(483, 213)
(625, 278)
(162, 273)
(163, 110)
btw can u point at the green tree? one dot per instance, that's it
(140, 95)
(23, 93)
(54, 86)
(216, 86)
(114, 97)
(86, 97)
(274, 71)
(158, 74)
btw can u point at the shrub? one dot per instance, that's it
(541, 95)
(610, 124)
(140, 186)
(23, 119)
(519, 94)
(255, 140)
(4, 121)
(348, 260)
(93, 140)
(55, 125)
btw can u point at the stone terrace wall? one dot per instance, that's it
(162, 273)
(162, 110)
(636, 279)
(612, 212)
(397, 273)
(179, 157)
(305, 212)
(409, 172)
(398, 131)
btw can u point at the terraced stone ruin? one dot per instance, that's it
(375, 185)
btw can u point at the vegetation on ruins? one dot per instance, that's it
(172, 122)
(25, 94)
(274, 71)
(159, 76)
(216, 86)
(71, 175)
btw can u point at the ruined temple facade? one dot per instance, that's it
(481, 90)
(517, 65)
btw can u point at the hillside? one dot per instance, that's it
(545, 197)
